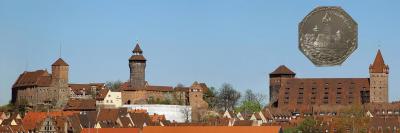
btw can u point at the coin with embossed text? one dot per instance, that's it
(327, 36)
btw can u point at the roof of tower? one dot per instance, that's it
(379, 64)
(137, 58)
(282, 69)
(60, 62)
(137, 49)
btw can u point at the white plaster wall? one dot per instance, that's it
(171, 112)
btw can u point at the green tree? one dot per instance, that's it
(249, 107)
(210, 97)
(310, 125)
(251, 103)
(352, 119)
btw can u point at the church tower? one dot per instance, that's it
(59, 73)
(379, 73)
(137, 66)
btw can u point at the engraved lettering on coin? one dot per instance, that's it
(327, 36)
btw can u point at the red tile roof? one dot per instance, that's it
(159, 88)
(31, 119)
(110, 130)
(37, 78)
(102, 94)
(157, 118)
(125, 86)
(78, 88)
(282, 70)
(80, 105)
(212, 129)
(60, 62)
(379, 64)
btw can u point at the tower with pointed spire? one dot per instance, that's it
(379, 73)
(137, 66)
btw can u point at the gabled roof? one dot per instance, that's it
(102, 94)
(282, 69)
(31, 119)
(108, 115)
(88, 118)
(139, 119)
(379, 64)
(60, 62)
(37, 78)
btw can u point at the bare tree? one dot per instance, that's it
(228, 97)
(187, 113)
(249, 95)
(180, 85)
(113, 85)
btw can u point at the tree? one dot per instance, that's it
(309, 125)
(353, 119)
(113, 85)
(251, 102)
(254, 97)
(211, 97)
(187, 113)
(228, 97)
(249, 107)
(180, 85)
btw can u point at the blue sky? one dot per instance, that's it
(215, 42)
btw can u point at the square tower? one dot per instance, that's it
(379, 75)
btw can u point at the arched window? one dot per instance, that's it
(129, 102)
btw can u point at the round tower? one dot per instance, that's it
(137, 66)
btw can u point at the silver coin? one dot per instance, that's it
(327, 36)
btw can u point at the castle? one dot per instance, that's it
(42, 88)
(308, 94)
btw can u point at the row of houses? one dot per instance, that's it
(260, 118)
(81, 121)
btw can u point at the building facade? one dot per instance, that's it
(138, 91)
(109, 99)
(309, 94)
(42, 88)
